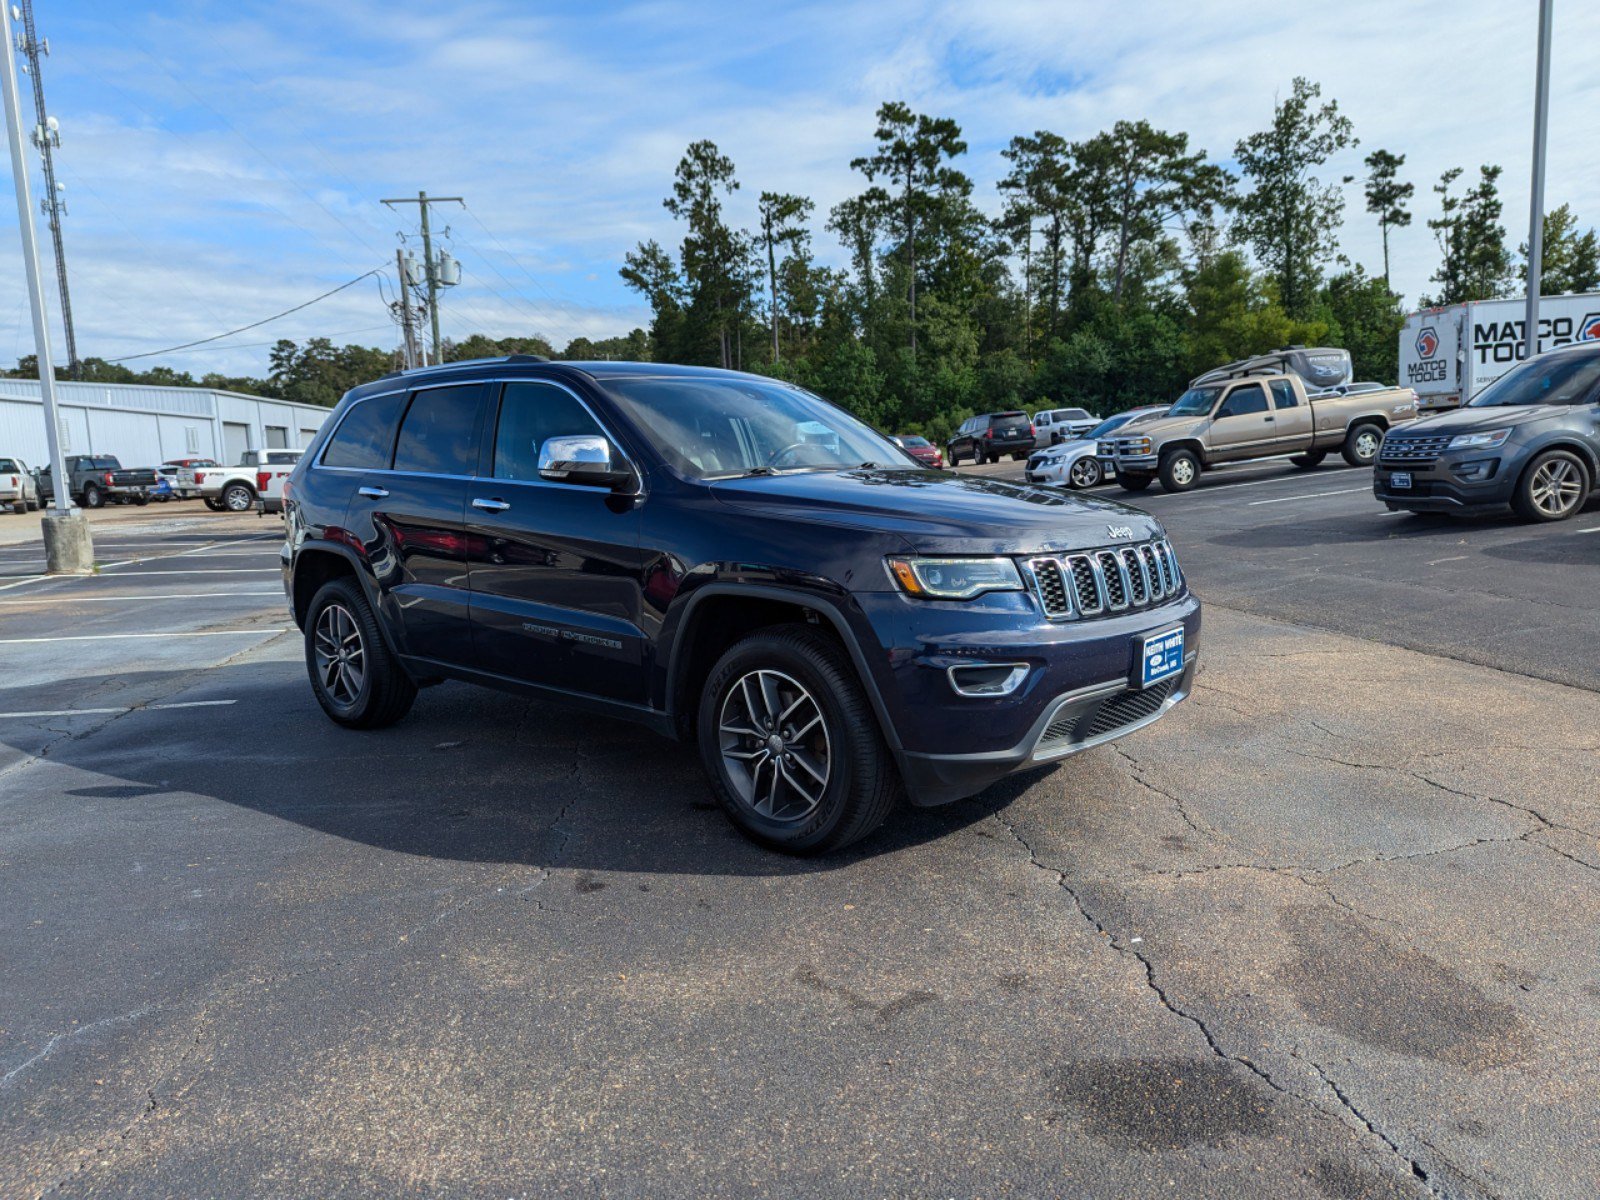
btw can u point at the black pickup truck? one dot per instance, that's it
(98, 479)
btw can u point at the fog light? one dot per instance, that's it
(1476, 470)
(987, 679)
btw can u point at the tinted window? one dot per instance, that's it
(1244, 400)
(107, 464)
(530, 413)
(1548, 379)
(439, 435)
(282, 457)
(1283, 395)
(1074, 414)
(366, 434)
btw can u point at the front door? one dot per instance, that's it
(555, 567)
(1243, 425)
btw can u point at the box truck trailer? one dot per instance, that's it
(1448, 355)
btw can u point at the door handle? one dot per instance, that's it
(492, 506)
(377, 493)
(1270, 420)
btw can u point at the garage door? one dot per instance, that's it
(277, 437)
(305, 437)
(235, 441)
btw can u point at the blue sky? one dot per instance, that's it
(225, 161)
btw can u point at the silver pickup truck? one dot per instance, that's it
(1257, 416)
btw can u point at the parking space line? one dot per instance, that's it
(1594, 529)
(94, 712)
(125, 598)
(122, 637)
(1219, 488)
(1310, 496)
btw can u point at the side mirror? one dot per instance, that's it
(583, 459)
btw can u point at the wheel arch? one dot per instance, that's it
(699, 639)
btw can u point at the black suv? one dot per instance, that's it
(986, 437)
(1531, 439)
(727, 558)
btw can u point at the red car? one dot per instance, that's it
(921, 449)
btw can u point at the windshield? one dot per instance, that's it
(1109, 425)
(713, 428)
(911, 439)
(1074, 414)
(1196, 402)
(1550, 379)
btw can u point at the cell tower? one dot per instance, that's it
(47, 137)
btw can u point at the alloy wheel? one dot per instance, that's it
(1556, 487)
(1085, 473)
(340, 655)
(1367, 444)
(775, 746)
(237, 499)
(1183, 472)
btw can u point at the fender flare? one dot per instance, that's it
(358, 568)
(825, 608)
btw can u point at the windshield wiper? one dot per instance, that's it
(867, 466)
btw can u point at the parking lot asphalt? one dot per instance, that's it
(1327, 930)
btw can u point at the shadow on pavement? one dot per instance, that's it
(470, 775)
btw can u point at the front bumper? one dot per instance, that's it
(1080, 689)
(1137, 462)
(1458, 481)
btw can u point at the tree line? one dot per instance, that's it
(1118, 267)
(1113, 269)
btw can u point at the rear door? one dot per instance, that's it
(555, 567)
(1291, 417)
(1244, 424)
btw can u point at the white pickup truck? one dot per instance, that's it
(258, 475)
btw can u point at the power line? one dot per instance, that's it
(254, 324)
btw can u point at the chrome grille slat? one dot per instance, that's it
(1114, 579)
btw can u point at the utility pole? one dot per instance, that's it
(67, 543)
(47, 137)
(403, 307)
(1541, 127)
(443, 271)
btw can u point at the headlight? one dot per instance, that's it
(1137, 445)
(1478, 441)
(955, 578)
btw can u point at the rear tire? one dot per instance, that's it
(1020, 457)
(1361, 445)
(1180, 471)
(1133, 481)
(355, 678)
(1308, 460)
(93, 497)
(237, 498)
(832, 781)
(1553, 488)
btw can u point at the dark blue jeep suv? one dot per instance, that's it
(728, 558)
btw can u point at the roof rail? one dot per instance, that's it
(469, 362)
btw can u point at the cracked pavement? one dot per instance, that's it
(1325, 931)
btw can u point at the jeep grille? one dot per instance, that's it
(1097, 582)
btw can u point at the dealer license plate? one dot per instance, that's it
(1400, 479)
(1160, 656)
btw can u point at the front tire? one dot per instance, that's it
(1133, 481)
(1085, 473)
(1553, 488)
(1361, 445)
(355, 678)
(791, 743)
(1180, 471)
(213, 504)
(93, 497)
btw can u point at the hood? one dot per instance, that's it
(1478, 420)
(940, 512)
(1164, 427)
(1076, 448)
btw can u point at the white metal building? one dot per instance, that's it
(144, 426)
